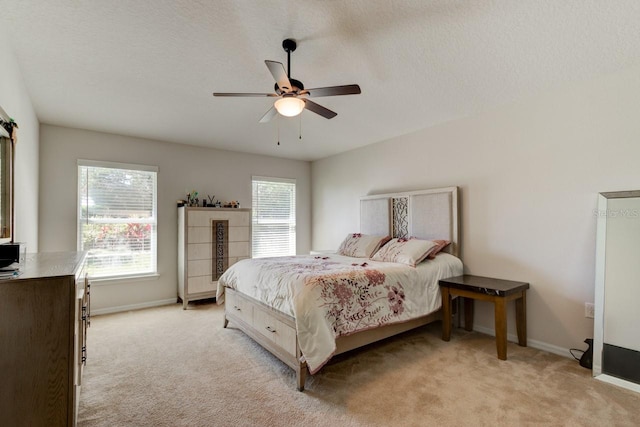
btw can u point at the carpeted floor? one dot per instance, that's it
(168, 367)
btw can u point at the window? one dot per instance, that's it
(273, 214)
(117, 222)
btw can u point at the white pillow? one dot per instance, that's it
(410, 252)
(361, 245)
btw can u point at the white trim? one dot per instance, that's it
(530, 343)
(598, 321)
(119, 280)
(272, 179)
(121, 308)
(83, 163)
(619, 382)
(116, 165)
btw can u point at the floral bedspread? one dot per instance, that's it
(332, 296)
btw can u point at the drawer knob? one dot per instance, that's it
(237, 308)
(270, 329)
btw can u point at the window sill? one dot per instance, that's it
(103, 281)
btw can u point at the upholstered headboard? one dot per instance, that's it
(425, 214)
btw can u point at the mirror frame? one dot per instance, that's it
(598, 321)
(7, 145)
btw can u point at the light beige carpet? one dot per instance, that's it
(169, 367)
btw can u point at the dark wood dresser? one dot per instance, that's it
(44, 313)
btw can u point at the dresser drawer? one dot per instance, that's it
(199, 267)
(239, 307)
(201, 284)
(202, 218)
(274, 330)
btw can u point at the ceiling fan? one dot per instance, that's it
(291, 94)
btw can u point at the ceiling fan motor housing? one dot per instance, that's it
(297, 86)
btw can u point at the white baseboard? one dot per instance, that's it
(108, 310)
(619, 382)
(531, 343)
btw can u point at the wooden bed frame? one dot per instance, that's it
(426, 214)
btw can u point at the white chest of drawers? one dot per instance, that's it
(209, 241)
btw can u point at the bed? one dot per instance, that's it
(306, 309)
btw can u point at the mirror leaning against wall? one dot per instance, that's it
(7, 141)
(616, 352)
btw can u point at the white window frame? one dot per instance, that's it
(294, 216)
(153, 273)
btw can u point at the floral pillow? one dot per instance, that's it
(361, 245)
(441, 244)
(405, 251)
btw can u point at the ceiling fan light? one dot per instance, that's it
(289, 106)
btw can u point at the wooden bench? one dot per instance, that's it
(499, 292)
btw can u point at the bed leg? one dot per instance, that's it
(226, 322)
(301, 375)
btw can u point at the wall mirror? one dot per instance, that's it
(616, 343)
(6, 181)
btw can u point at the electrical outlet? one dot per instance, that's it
(589, 310)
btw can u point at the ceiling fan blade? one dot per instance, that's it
(333, 91)
(280, 75)
(268, 115)
(319, 109)
(244, 94)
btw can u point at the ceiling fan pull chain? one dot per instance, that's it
(300, 129)
(278, 130)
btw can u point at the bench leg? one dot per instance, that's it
(468, 314)
(521, 319)
(301, 375)
(501, 327)
(446, 313)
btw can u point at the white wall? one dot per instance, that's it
(15, 100)
(182, 168)
(529, 175)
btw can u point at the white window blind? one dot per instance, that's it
(117, 222)
(273, 217)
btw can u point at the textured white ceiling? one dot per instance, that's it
(148, 68)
